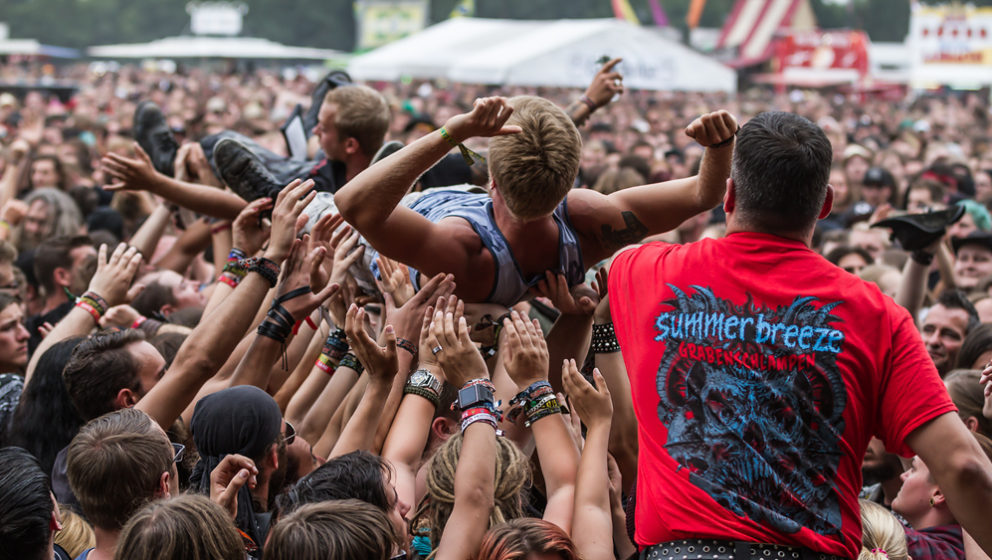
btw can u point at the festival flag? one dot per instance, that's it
(695, 12)
(465, 8)
(659, 15)
(622, 10)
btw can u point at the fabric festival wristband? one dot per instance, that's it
(89, 309)
(325, 364)
(589, 103)
(485, 417)
(350, 361)
(468, 155)
(224, 279)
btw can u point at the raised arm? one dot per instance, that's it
(592, 523)
(475, 474)
(111, 282)
(527, 364)
(138, 174)
(370, 201)
(215, 337)
(610, 222)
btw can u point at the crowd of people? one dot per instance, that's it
(491, 323)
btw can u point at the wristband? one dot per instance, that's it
(485, 417)
(727, 141)
(406, 345)
(350, 361)
(325, 364)
(89, 309)
(604, 339)
(588, 103)
(423, 392)
(236, 255)
(220, 227)
(468, 155)
(235, 268)
(5, 224)
(95, 300)
(225, 279)
(264, 267)
(138, 322)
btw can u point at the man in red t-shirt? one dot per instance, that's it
(760, 371)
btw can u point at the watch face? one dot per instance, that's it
(418, 378)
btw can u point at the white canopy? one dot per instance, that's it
(212, 47)
(34, 48)
(543, 53)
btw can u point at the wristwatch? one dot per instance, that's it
(472, 395)
(425, 380)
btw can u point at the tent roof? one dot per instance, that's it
(210, 47)
(753, 23)
(543, 53)
(33, 47)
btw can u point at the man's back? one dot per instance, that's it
(759, 371)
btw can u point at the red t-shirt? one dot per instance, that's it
(759, 372)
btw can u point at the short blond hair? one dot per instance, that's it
(535, 169)
(362, 113)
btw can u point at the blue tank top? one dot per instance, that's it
(509, 285)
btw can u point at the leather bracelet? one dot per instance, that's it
(264, 267)
(726, 142)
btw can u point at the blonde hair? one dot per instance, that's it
(76, 534)
(512, 476)
(361, 113)
(535, 169)
(882, 536)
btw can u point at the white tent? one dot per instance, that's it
(31, 47)
(543, 53)
(212, 47)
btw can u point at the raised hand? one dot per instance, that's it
(288, 218)
(301, 268)
(712, 128)
(113, 276)
(579, 300)
(248, 232)
(458, 356)
(526, 350)
(380, 362)
(133, 174)
(406, 320)
(487, 118)
(592, 404)
(606, 84)
(120, 316)
(395, 280)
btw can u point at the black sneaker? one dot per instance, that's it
(154, 137)
(243, 171)
(335, 78)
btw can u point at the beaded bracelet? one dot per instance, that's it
(350, 361)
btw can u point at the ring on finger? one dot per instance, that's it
(436, 350)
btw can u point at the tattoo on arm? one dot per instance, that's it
(578, 112)
(632, 232)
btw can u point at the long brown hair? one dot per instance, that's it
(187, 527)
